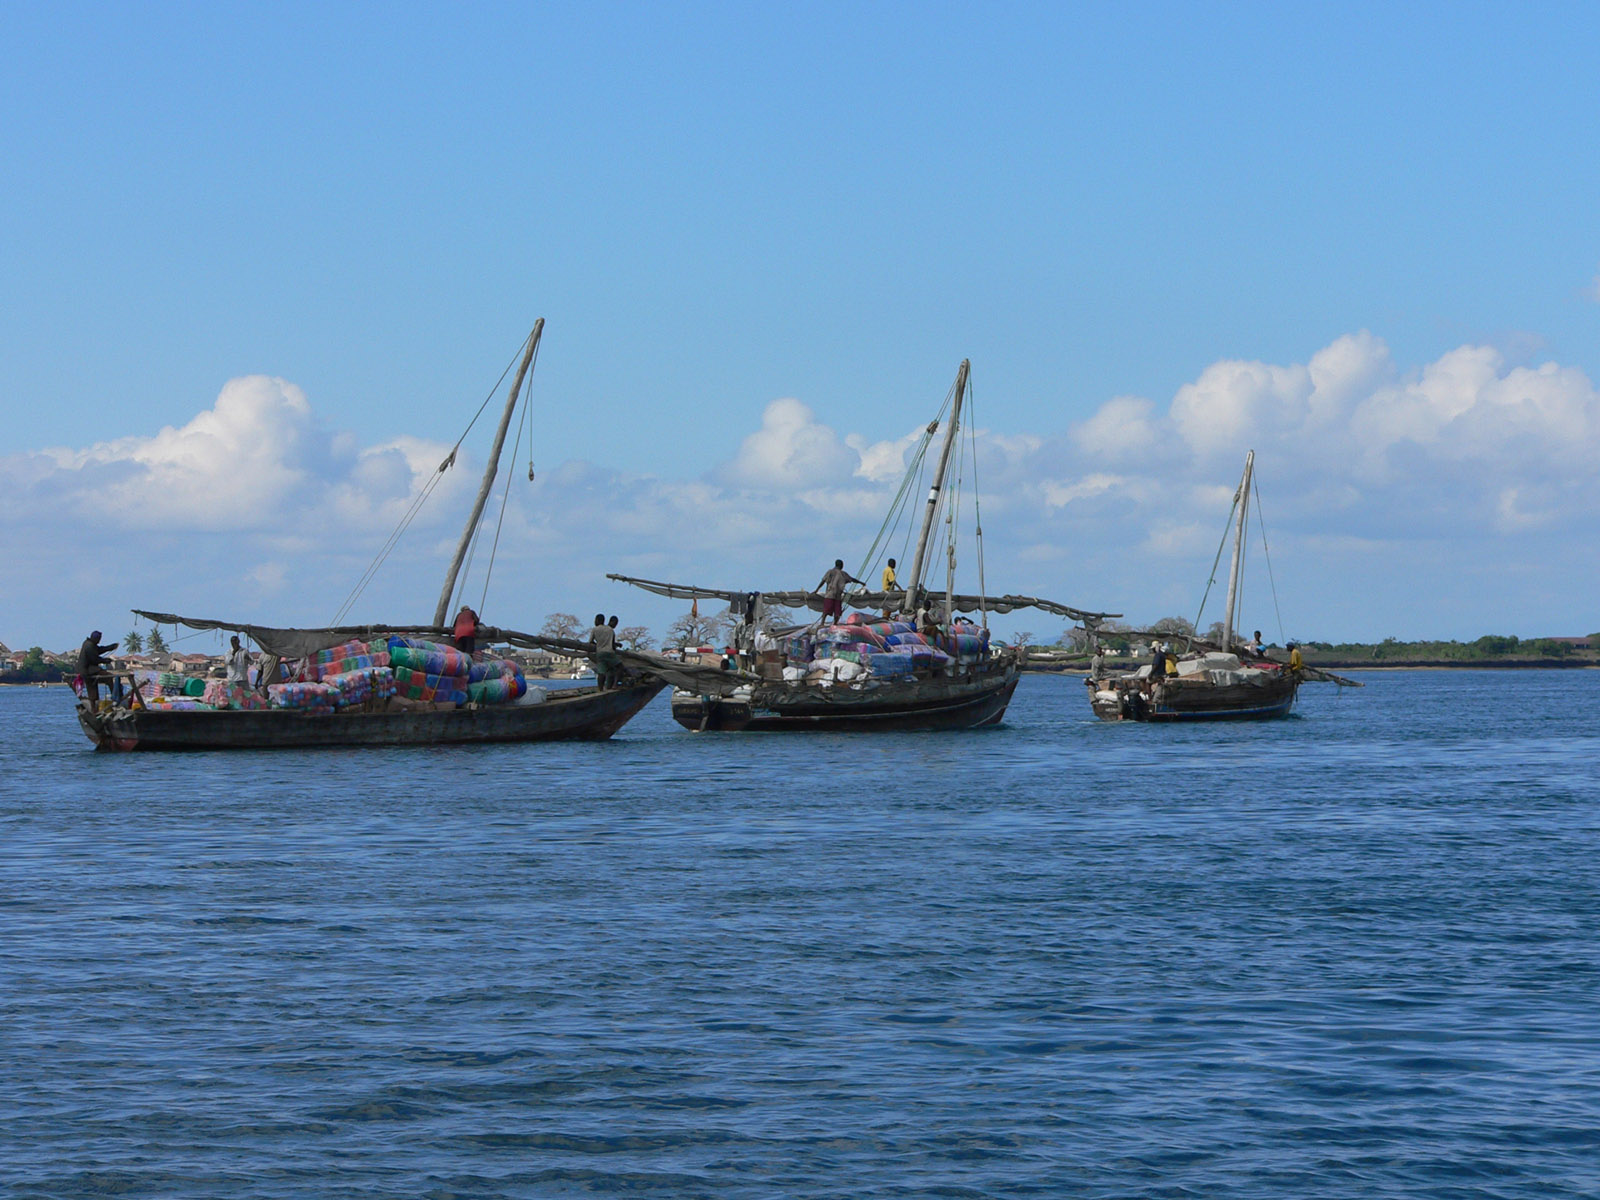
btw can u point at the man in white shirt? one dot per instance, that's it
(238, 665)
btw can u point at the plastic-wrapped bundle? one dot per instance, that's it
(350, 687)
(969, 645)
(419, 685)
(440, 660)
(908, 638)
(323, 670)
(150, 683)
(223, 695)
(382, 682)
(164, 683)
(396, 643)
(851, 635)
(854, 656)
(308, 697)
(177, 704)
(833, 670)
(505, 688)
(490, 668)
(890, 664)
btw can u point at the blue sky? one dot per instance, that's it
(721, 207)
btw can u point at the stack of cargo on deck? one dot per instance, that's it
(864, 648)
(357, 676)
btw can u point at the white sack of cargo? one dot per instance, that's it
(834, 670)
(794, 674)
(534, 695)
(1215, 660)
(1191, 666)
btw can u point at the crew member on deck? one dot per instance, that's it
(466, 630)
(1296, 663)
(92, 666)
(238, 664)
(603, 641)
(832, 589)
(890, 584)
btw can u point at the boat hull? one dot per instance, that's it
(578, 714)
(1266, 701)
(936, 704)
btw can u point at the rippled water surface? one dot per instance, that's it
(1349, 954)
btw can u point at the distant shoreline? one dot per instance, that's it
(1550, 664)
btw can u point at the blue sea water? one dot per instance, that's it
(1349, 954)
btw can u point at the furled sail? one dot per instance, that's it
(868, 600)
(300, 643)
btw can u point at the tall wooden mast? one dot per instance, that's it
(914, 585)
(1243, 499)
(443, 611)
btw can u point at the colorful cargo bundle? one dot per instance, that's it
(163, 703)
(496, 681)
(353, 655)
(969, 645)
(169, 683)
(302, 697)
(412, 684)
(431, 658)
(223, 695)
(351, 688)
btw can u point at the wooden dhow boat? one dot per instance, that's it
(1221, 681)
(964, 691)
(581, 713)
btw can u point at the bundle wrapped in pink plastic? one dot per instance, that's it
(851, 634)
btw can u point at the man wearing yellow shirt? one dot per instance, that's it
(1296, 663)
(890, 584)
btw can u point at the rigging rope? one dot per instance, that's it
(1267, 554)
(977, 502)
(421, 498)
(1210, 583)
(472, 549)
(899, 509)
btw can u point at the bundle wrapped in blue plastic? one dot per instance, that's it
(890, 664)
(305, 697)
(907, 637)
(969, 644)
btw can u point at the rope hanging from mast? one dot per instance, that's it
(1267, 554)
(420, 499)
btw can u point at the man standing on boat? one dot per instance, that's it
(238, 664)
(603, 642)
(832, 588)
(465, 630)
(890, 584)
(92, 666)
